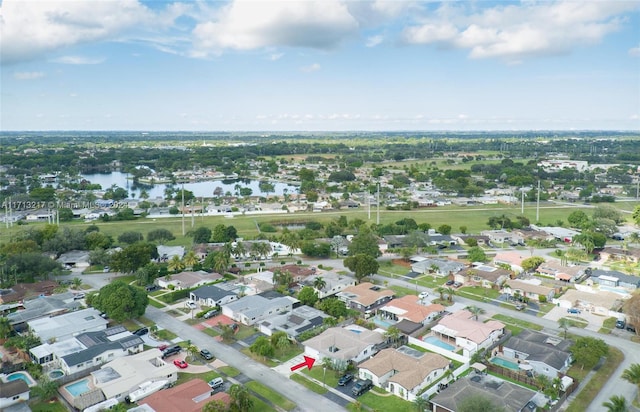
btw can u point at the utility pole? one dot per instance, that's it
(378, 218)
(522, 207)
(369, 203)
(538, 204)
(182, 209)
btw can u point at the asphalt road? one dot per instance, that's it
(304, 398)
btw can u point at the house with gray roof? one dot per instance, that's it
(437, 267)
(343, 345)
(300, 319)
(12, 393)
(334, 283)
(68, 325)
(43, 306)
(546, 355)
(253, 309)
(87, 349)
(614, 278)
(212, 295)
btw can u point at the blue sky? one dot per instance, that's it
(319, 65)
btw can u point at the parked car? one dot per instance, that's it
(234, 327)
(171, 351)
(206, 354)
(180, 363)
(423, 295)
(449, 282)
(106, 269)
(631, 328)
(346, 378)
(79, 296)
(191, 304)
(216, 383)
(620, 324)
(163, 347)
(211, 313)
(457, 284)
(520, 306)
(361, 387)
(574, 311)
(141, 331)
(151, 288)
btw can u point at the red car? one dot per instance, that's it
(163, 347)
(180, 363)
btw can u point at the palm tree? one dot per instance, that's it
(450, 293)
(319, 283)
(190, 259)
(175, 264)
(420, 404)
(240, 250)
(632, 375)
(543, 382)
(475, 311)
(221, 262)
(616, 404)
(634, 237)
(441, 290)
(192, 350)
(77, 282)
(240, 398)
(46, 389)
(393, 334)
(5, 328)
(565, 324)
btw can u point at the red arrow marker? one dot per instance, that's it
(308, 362)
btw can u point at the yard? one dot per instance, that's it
(186, 377)
(591, 389)
(379, 400)
(330, 378)
(271, 395)
(312, 386)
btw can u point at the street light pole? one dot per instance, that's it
(324, 374)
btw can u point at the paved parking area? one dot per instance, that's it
(595, 321)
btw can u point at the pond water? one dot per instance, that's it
(199, 189)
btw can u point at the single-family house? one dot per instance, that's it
(44, 306)
(483, 275)
(344, 345)
(409, 308)
(87, 350)
(12, 393)
(563, 273)
(253, 309)
(512, 258)
(614, 278)
(167, 252)
(298, 273)
(21, 291)
(437, 267)
(62, 327)
(501, 236)
(333, 283)
(529, 290)
(365, 296)
(188, 279)
(630, 254)
(468, 333)
(546, 355)
(300, 319)
(75, 259)
(211, 295)
(403, 372)
(190, 396)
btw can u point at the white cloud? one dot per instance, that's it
(373, 41)
(27, 75)
(78, 60)
(246, 25)
(634, 51)
(311, 68)
(275, 56)
(515, 31)
(30, 29)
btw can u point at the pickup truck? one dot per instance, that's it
(361, 387)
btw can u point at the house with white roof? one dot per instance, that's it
(409, 308)
(533, 290)
(437, 267)
(404, 372)
(57, 328)
(467, 333)
(343, 345)
(188, 279)
(334, 283)
(300, 319)
(253, 309)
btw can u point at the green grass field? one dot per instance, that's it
(271, 395)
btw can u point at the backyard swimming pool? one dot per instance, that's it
(505, 363)
(23, 376)
(78, 388)
(437, 342)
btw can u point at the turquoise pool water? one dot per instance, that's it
(78, 388)
(437, 342)
(505, 363)
(19, 376)
(55, 374)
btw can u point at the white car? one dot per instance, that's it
(423, 295)
(191, 304)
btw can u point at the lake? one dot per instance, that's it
(199, 189)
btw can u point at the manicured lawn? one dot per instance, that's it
(130, 325)
(290, 352)
(312, 386)
(331, 377)
(186, 377)
(608, 325)
(271, 395)
(156, 304)
(48, 407)
(229, 371)
(402, 291)
(258, 358)
(517, 322)
(576, 322)
(146, 321)
(478, 293)
(244, 332)
(165, 334)
(591, 389)
(385, 403)
(259, 405)
(211, 332)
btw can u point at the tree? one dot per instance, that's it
(636, 215)
(160, 235)
(365, 242)
(319, 283)
(120, 301)
(478, 403)
(221, 261)
(227, 333)
(393, 335)
(616, 404)
(476, 254)
(632, 375)
(132, 257)
(190, 259)
(175, 264)
(444, 229)
(532, 263)
(76, 283)
(97, 240)
(215, 406)
(262, 347)
(333, 307)
(441, 290)
(192, 350)
(201, 235)
(362, 265)
(5, 327)
(420, 404)
(130, 237)
(475, 311)
(564, 324)
(587, 351)
(65, 214)
(46, 389)
(631, 309)
(308, 296)
(608, 212)
(578, 219)
(240, 398)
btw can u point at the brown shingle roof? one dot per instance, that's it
(184, 398)
(366, 295)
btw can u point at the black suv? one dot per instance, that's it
(172, 350)
(141, 331)
(206, 354)
(361, 387)
(346, 378)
